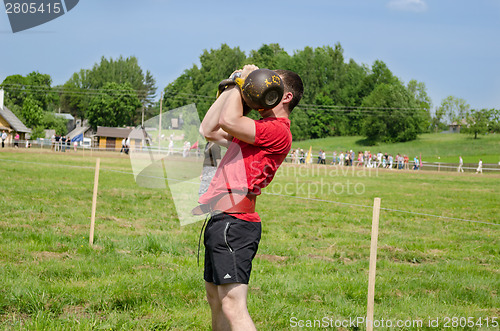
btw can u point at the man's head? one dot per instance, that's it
(293, 84)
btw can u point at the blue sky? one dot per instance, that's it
(450, 45)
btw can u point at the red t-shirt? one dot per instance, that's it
(248, 168)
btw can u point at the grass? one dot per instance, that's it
(448, 147)
(142, 273)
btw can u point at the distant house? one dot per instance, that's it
(111, 138)
(456, 126)
(82, 130)
(10, 123)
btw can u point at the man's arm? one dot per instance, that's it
(210, 127)
(232, 120)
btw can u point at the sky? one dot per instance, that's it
(450, 45)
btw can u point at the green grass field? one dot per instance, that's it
(312, 263)
(448, 147)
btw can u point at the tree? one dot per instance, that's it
(83, 86)
(31, 112)
(393, 114)
(419, 92)
(477, 122)
(454, 109)
(199, 84)
(76, 93)
(494, 124)
(115, 106)
(35, 86)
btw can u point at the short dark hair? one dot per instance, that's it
(293, 83)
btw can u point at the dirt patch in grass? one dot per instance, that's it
(44, 255)
(272, 258)
(75, 312)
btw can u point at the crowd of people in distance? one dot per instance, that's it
(359, 159)
(61, 143)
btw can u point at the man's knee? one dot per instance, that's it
(233, 300)
(212, 294)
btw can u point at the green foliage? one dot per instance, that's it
(74, 100)
(479, 122)
(115, 106)
(453, 109)
(199, 85)
(83, 86)
(35, 86)
(50, 121)
(393, 114)
(334, 90)
(38, 132)
(494, 124)
(31, 112)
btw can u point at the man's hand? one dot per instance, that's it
(247, 69)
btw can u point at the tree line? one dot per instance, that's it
(341, 96)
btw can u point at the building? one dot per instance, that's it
(11, 124)
(456, 126)
(110, 139)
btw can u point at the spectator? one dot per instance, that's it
(57, 139)
(323, 157)
(460, 164)
(123, 146)
(63, 143)
(379, 159)
(170, 146)
(16, 140)
(4, 138)
(479, 167)
(416, 164)
(406, 161)
(400, 161)
(127, 145)
(185, 150)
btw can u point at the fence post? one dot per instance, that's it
(373, 265)
(94, 201)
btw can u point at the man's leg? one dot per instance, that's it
(219, 321)
(234, 305)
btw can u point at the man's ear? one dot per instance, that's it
(287, 97)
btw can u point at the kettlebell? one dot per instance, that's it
(262, 89)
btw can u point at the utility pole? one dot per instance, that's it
(159, 128)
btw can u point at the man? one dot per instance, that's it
(479, 169)
(4, 138)
(232, 237)
(460, 164)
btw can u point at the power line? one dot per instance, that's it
(189, 96)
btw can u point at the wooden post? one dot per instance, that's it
(94, 201)
(373, 265)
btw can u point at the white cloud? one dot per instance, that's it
(417, 6)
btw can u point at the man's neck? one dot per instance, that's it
(275, 112)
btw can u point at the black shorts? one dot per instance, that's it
(230, 246)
